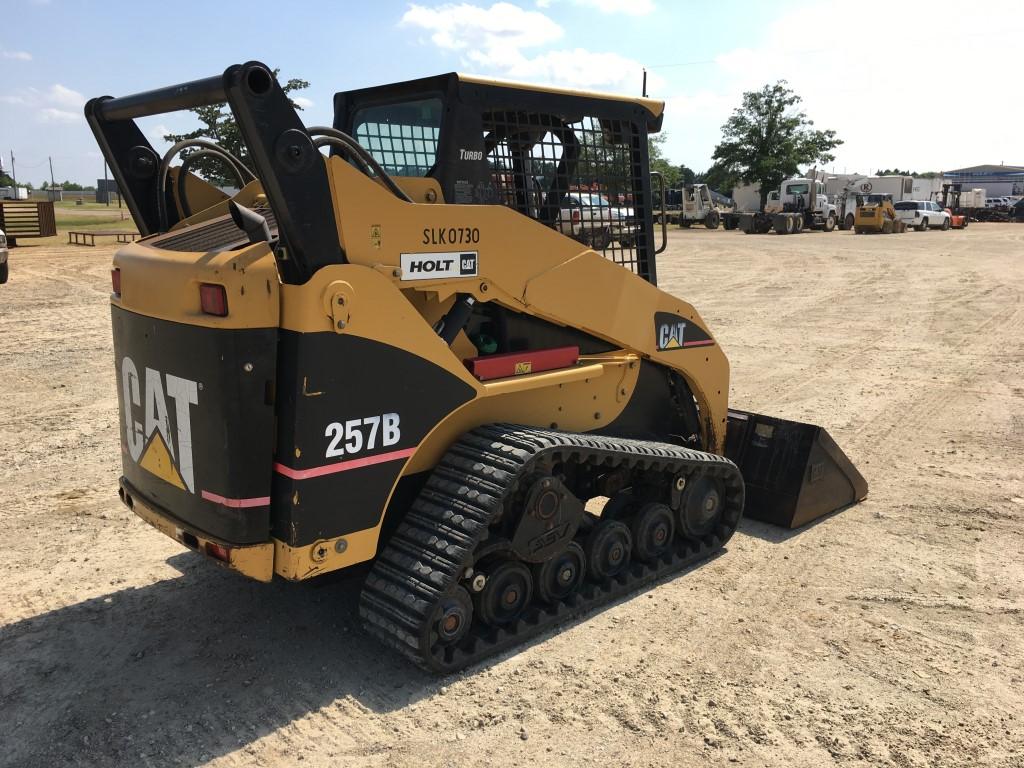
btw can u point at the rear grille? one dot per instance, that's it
(218, 234)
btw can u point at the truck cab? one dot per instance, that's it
(795, 196)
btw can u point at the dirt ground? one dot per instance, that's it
(889, 634)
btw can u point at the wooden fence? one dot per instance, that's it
(27, 218)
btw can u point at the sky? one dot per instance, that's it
(918, 86)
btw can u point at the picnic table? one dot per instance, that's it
(79, 237)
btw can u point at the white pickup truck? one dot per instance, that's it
(3, 257)
(591, 219)
(922, 215)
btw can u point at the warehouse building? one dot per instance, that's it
(996, 180)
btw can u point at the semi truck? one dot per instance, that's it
(797, 205)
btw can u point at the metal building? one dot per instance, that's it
(996, 180)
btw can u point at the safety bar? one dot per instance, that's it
(287, 163)
(663, 216)
(173, 98)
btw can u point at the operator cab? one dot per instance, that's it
(571, 160)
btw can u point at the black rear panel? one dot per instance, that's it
(197, 421)
(351, 412)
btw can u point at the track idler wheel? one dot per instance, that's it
(652, 531)
(453, 617)
(701, 507)
(608, 549)
(560, 576)
(505, 594)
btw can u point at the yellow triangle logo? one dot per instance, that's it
(157, 459)
(673, 342)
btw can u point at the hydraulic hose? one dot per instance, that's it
(356, 149)
(204, 144)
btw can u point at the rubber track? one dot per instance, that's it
(434, 544)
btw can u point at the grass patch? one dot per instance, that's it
(90, 223)
(64, 205)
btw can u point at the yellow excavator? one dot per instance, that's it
(394, 351)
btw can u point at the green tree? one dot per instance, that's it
(719, 177)
(767, 138)
(219, 125)
(6, 181)
(661, 164)
(70, 186)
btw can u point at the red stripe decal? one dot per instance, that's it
(701, 343)
(259, 501)
(342, 466)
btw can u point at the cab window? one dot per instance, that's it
(402, 137)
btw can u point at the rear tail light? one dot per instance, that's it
(576, 218)
(213, 299)
(115, 281)
(218, 552)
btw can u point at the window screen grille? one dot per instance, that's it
(584, 178)
(401, 137)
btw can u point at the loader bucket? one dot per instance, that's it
(794, 472)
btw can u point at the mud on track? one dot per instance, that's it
(890, 634)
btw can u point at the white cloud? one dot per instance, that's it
(576, 68)
(65, 97)
(492, 33)
(158, 131)
(16, 55)
(57, 104)
(53, 115)
(628, 7)
(498, 41)
(925, 101)
(302, 101)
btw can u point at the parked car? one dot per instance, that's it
(922, 215)
(3, 257)
(595, 222)
(997, 202)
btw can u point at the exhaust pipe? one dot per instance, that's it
(794, 472)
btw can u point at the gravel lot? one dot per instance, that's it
(889, 634)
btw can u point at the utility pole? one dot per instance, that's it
(14, 176)
(53, 195)
(106, 189)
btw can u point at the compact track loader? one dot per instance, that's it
(394, 359)
(875, 214)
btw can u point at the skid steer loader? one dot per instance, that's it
(392, 358)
